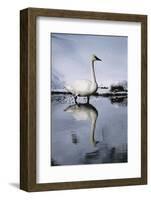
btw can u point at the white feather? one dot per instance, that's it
(82, 88)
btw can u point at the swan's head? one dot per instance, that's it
(95, 58)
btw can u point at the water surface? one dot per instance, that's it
(92, 133)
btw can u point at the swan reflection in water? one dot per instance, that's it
(85, 112)
(89, 134)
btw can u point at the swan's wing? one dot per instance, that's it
(81, 86)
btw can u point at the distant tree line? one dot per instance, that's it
(118, 88)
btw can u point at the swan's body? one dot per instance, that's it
(84, 87)
(85, 112)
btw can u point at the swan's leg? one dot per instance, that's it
(88, 99)
(75, 99)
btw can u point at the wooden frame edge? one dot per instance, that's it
(27, 100)
(24, 99)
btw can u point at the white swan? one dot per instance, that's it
(85, 87)
(85, 112)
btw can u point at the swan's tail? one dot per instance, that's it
(68, 88)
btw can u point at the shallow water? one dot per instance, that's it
(88, 133)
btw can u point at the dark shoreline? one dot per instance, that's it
(108, 94)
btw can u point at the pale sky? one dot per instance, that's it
(72, 53)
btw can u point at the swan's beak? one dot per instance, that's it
(98, 58)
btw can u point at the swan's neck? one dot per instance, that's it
(93, 126)
(93, 77)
